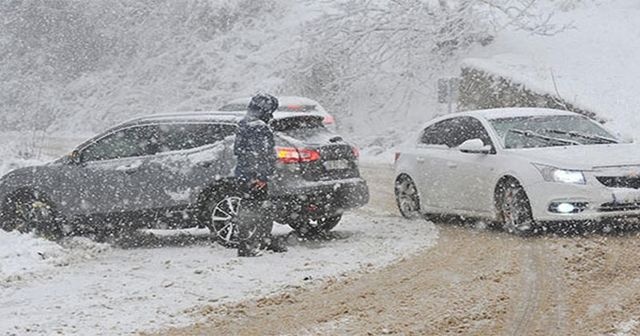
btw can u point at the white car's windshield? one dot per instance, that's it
(547, 131)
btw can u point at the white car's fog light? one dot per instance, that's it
(567, 207)
(553, 174)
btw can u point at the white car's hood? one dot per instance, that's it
(585, 156)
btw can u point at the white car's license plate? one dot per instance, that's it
(337, 164)
(626, 196)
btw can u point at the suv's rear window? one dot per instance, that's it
(300, 127)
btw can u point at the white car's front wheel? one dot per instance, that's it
(514, 208)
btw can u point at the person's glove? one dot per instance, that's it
(258, 184)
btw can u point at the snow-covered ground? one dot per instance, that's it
(23, 256)
(594, 62)
(82, 288)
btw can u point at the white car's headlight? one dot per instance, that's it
(553, 174)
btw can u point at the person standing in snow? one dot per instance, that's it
(256, 158)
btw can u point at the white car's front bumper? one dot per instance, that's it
(602, 203)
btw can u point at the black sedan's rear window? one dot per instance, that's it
(301, 127)
(172, 137)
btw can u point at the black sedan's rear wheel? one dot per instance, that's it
(407, 197)
(514, 208)
(31, 212)
(220, 214)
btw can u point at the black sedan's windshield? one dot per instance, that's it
(547, 131)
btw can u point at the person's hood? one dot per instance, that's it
(260, 114)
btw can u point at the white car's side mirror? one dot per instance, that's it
(474, 146)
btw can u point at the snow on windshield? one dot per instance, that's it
(544, 131)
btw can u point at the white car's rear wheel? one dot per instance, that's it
(514, 208)
(407, 197)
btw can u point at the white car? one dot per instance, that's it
(524, 168)
(288, 104)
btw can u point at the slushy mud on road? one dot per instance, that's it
(472, 282)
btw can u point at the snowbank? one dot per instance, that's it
(23, 256)
(594, 64)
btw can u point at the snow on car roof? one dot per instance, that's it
(507, 112)
(232, 117)
(513, 112)
(205, 116)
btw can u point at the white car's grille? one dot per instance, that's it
(613, 207)
(632, 182)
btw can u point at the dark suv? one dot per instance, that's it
(176, 171)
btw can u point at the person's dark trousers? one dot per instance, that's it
(255, 220)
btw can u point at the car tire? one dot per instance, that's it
(220, 215)
(514, 209)
(308, 228)
(407, 198)
(31, 212)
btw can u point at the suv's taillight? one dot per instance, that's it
(356, 152)
(295, 155)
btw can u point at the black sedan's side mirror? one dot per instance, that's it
(74, 158)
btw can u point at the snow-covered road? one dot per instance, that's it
(85, 288)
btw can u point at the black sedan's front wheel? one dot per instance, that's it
(31, 212)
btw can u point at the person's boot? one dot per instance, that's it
(276, 245)
(248, 249)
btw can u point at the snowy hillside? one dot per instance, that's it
(594, 62)
(83, 66)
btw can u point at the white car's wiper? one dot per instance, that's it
(532, 134)
(580, 135)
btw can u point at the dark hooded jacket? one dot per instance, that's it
(254, 148)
